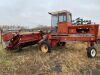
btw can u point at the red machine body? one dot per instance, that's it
(63, 30)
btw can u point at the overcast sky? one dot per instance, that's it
(35, 12)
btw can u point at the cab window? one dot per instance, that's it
(69, 18)
(54, 21)
(62, 18)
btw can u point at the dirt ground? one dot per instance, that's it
(71, 60)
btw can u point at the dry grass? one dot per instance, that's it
(68, 61)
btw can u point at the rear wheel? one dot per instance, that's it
(91, 52)
(45, 47)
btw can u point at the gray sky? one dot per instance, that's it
(35, 12)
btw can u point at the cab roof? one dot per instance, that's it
(59, 12)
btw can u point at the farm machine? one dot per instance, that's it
(62, 31)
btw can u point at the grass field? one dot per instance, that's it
(71, 60)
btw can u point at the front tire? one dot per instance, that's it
(45, 47)
(91, 52)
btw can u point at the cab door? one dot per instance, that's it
(54, 23)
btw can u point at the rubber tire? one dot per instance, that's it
(46, 43)
(89, 49)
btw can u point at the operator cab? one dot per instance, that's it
(60, 20)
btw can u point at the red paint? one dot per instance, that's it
(19, 39)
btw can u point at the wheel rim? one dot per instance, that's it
(44, 48)
(93, 52)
